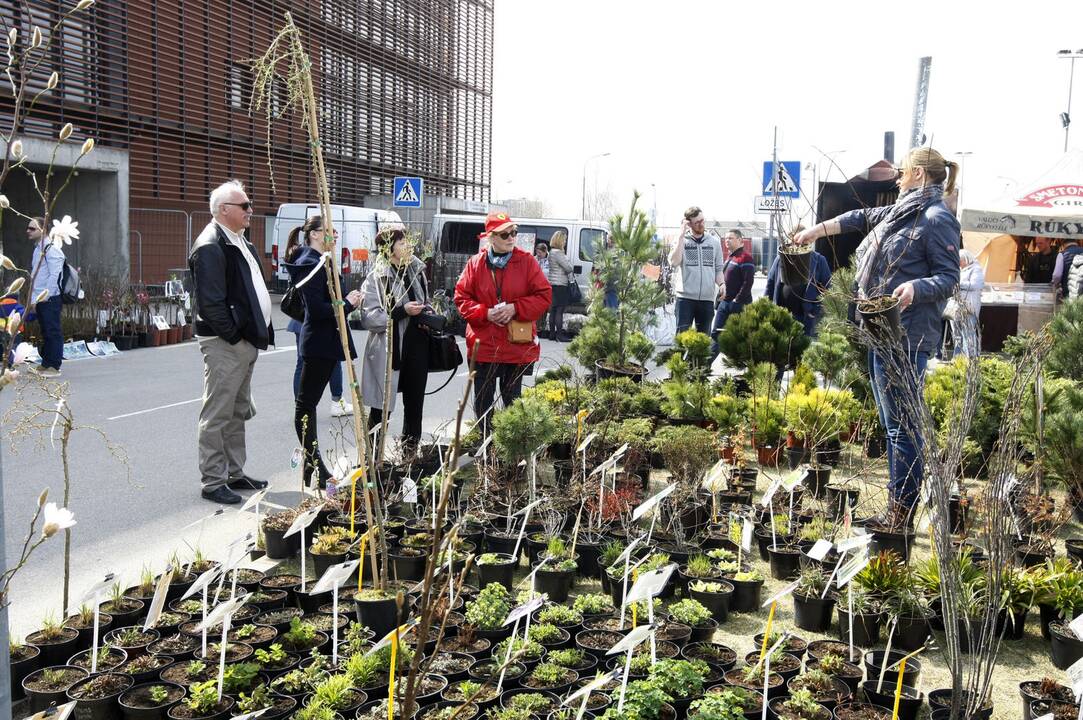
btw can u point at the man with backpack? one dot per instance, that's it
(46, 270)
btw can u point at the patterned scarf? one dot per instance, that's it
(498, 261)
(906, 209)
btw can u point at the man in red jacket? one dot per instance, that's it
(501, 294)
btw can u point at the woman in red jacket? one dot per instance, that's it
(501, 294)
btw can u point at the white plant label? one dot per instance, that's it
(335, 576)
(254, 499)
(251, 715)
(612, 460)
(1047, 716)
(590, 687)
(483, 446)
(97, 590)
(60, 712)
(1075, 675)
(203, 581)
(648, 504)
(295, 458)
(852, 543)
(523, 610)
(586, 442)
(746, 535)
(628, 550)
(1076, 626)
(851, 569)
(715, 475)
(769, 493)
(792, 479)
(650, 583)
(220, 613)
(820, 549)
(780, 594)
(161, 592)
(303, 520)
(402, 630)
(409, 491)
(631, 640)
(203, 519)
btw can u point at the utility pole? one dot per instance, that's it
(1066, 117)
(921, 99)
(774, 187)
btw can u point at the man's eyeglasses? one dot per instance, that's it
(245, 205)
(507, 234)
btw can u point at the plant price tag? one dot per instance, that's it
(334, 576)
(161, 592)
(593, 685)
(650, 583)
(386, 640)
(716, 475)
(612, 459)
(220, 613)
(852, 543)
(631, 640)
(769, 493)
(586, 442)
(97, 590)
(746, 535)
(303, 520)
(791, 479)
(251, 715)
(1075, 677)
(851, 569)
(60, 712)
(523, 610)
(780, 594)
(820, 549)
(201, 582)
(649, 503)
(409, 491)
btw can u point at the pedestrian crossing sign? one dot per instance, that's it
(785, 179)
(408, 192)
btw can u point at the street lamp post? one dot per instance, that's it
(1066, 117)
(962, 155)
(583, 204)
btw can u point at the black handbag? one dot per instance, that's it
(293, 304)
(575, 294)
(444, 353)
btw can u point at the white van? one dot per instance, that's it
(357, 226)
(455, 239)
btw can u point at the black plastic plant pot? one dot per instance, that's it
(500, 572)
(589, 551)
(321, 562)
(1074, 546)
(226, 710)
(554, 583)
(941, 700)
(58, 652)
(881, 316)
(717, 602)
(1064, 648)
(500, 543)
(874, 658)
(910, 699)
(911, 632)
(746, 595)
(41, 699)
(1029, 691)
(380, 615)
(279, 547)
(836, 499)
(28, 662)
(795, 456)
(866, 627)
(408, 567)
(100, 708)
(795, 267)
(813, 613)
(897, 542)
(763, 542)
(816, 480)
(133, 698)
(785, 561)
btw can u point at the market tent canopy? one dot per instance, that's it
(995, 252)
(1051, 206)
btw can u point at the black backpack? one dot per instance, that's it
(71, 291)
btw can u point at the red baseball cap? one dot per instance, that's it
(496, 221)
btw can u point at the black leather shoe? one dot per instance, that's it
(222, 495)
(246, 483)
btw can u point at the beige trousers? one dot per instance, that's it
(227, 404)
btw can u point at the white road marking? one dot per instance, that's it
(160, 407)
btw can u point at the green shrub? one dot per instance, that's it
(523, 427)
(762, 332)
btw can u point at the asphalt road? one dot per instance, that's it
(146, 403)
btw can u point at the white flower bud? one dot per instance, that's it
(53, 80)
(42, 297)
(87, 146)
(13, 35)
(4, 202)
(35, 38)
(6, 263)
(43, 497)
(15, 321)
(65, 132)
(17, 148)
(15, 286)
(84, 4)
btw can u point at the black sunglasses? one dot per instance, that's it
(245, 205)
(507, 234)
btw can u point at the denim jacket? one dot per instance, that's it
(925, 252)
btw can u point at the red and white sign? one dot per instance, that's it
(1053, 196)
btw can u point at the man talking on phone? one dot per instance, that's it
(696, 258)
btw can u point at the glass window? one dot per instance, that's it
(461, 237)
(541, 233)
(589, 239)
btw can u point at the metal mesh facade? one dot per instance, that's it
(404, 86)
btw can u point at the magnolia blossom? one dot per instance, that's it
(9, 377)
(35, 38)
(22, 352)
(15, 286)
(84, 4)
(4, 202)
(66, 131)
(17, 148)
(42, 296)
(6, 263)
(14, 321)
(56, 519)
(87, 146)
(13, 35)
(64, 231)
(54, 79)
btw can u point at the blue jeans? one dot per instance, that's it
(906, 467)
(725, 309)
(52, 346)
(336, 375)
(611, 300)
(698, 311)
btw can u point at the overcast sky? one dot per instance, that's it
(684, 94)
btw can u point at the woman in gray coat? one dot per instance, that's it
(560, 273)
(396, 286)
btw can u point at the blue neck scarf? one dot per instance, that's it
(498, 261)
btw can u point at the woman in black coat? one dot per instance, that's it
(319, 345)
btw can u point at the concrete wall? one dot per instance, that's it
(96, 197)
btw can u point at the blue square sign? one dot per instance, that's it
(408, 192)
(787, 180)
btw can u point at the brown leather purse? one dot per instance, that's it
(520, 332)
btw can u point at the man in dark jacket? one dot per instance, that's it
(232, 313)
(738, 272)
(803, 302)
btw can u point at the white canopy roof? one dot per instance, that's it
(1052, 205)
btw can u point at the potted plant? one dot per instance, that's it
(329, 548)
(726, 703)
(24, 660)
(593, 605)
(145, 668)
(149, 701)
(274, 528)
(825, 689)
(801, 705)
(109, 658)
(55, 641)
(767, 416)
(696, 615)
(836, 666)
(549, 636)
(867, 617)
(132, 639)
(495, 568)
(751, 677)
(262, 698)
(812, 601)
(611, 339)
(681, 680)
(301, 637)
(486, 613)
(377, 610)
(203, 703)
(643, 699)
(549, 676)
(1046, 689)
(747, 585)
(99, 693)
(763, 332)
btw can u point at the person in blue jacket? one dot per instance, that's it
(911, 253)
(319, 344)
(803, 302)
